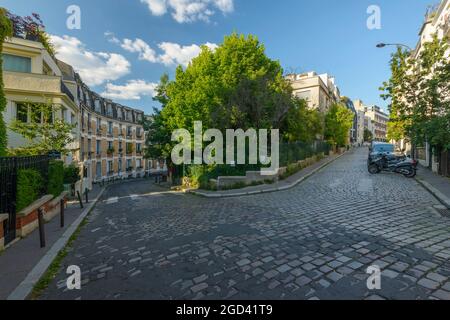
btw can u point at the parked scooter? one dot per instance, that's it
(406, 167)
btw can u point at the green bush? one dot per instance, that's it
(71, 174)
(55, 178)
(29, 187)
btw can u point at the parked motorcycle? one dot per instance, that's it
(406, 167)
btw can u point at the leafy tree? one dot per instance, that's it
(303, 124)
(44, 132)
(338, 122)
(419, 94)
(235, 86)
(368, 135)
(6, 30)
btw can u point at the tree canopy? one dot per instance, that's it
(338, 122)
(419, 94)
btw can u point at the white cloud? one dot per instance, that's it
(175, 54)
(141, 47)
(132, 90)
(171, 54)
(189, 10)
(95, 68)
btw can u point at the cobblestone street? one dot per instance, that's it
(314, 241)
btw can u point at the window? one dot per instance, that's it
(138, 163)
(110, 145)
(120, 165)
(98, 146)
(110, 127)
(138, 148)
(22, 112)
(99, 124)
(16, 63)
(110, 167)
(305, 95)
(129, 166)
(120, 146)
(129, 132)
(89, 121)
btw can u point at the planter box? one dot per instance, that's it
(3, 217)
(27, 219)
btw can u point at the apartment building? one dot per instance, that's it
(437, 22)
(109, 137)
(112, 137)
(31, 76)
(375, 120)
(320, 91)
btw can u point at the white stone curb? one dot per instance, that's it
(24, 289)
(435, 192)
(249, 193)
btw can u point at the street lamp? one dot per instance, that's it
(382, 45)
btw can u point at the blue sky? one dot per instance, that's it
(321, 35)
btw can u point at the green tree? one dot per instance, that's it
(368, 135)
(6, 30)
(235, 86)
(419, 91)
(44, 132)
(338, 122)
(303, 124)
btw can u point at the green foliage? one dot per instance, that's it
(338, 122)
(55, 178)
(419, 91)
(303, 124)
(71, 174)
(29, 187)
(368, 135)
(45, 132)
(6, 30)
(236, 86)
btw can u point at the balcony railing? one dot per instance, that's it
(67, 92)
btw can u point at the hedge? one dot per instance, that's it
(29, 187)
(55, 178)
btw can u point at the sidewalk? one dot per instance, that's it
(281, 185)
(439, 186)
(20, 260)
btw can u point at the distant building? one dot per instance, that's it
(320, 91)
(375, 120)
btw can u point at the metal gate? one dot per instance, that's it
(9, 168)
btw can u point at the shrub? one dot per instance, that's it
(71, 174)
(56, 178)
(29, 187)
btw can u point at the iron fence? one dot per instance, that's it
(9, 168)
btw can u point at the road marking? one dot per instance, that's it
(112, 200)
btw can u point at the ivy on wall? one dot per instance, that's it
(6, 30)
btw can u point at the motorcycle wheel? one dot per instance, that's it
(412, 173)
(373, 169)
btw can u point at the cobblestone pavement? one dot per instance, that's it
(311, 242)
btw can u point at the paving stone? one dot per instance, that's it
(429, 284)
(436, 277)
(284, 268)
(199, 287)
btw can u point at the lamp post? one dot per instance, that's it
(382, 45)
